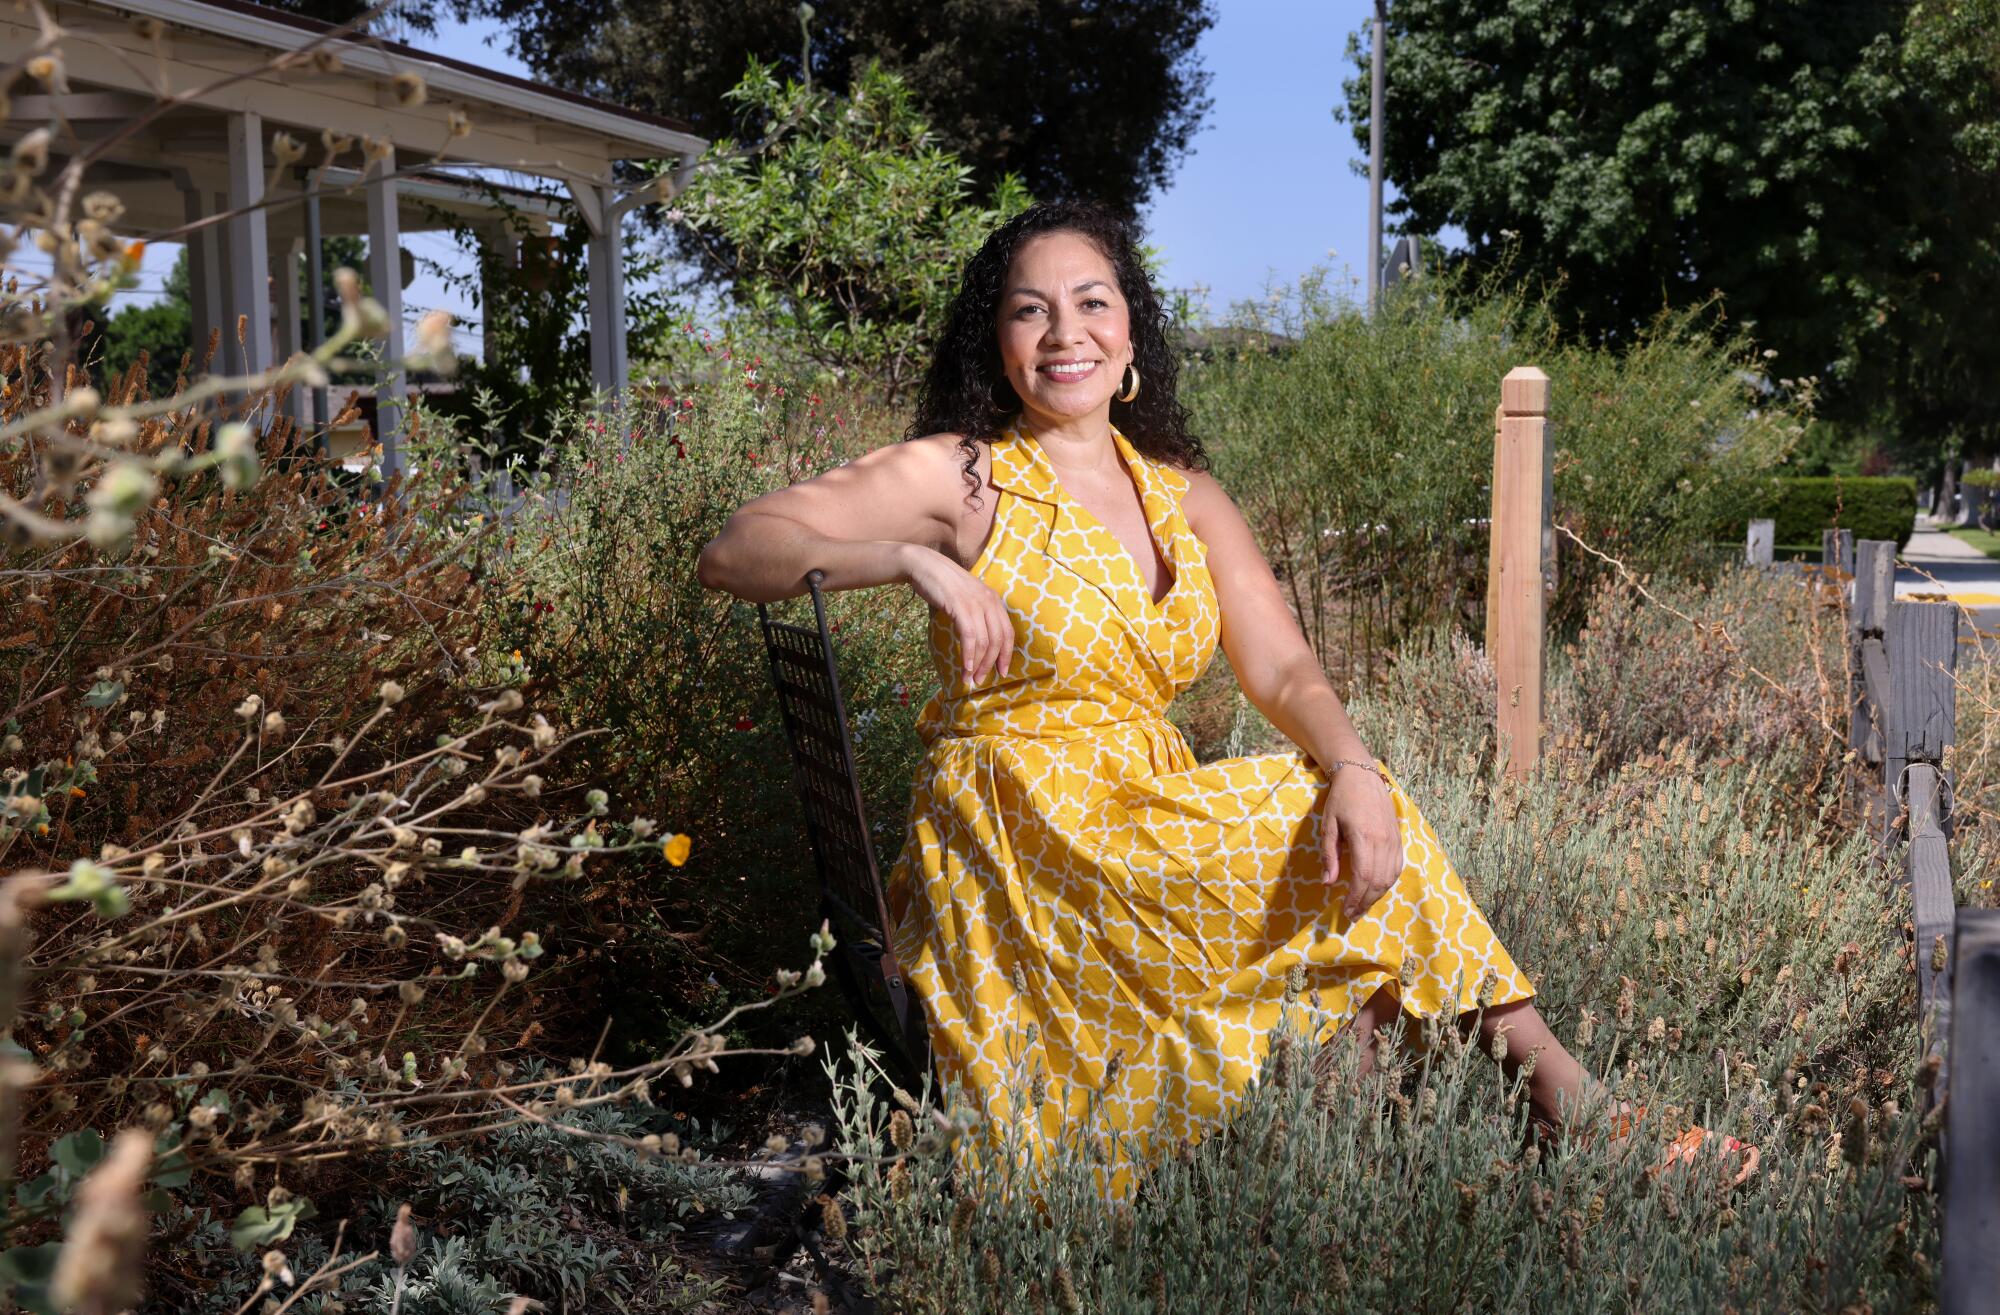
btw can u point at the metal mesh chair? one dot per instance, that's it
(807, 681)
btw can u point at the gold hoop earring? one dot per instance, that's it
(1132, 390)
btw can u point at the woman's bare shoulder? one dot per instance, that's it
(1206, 504)
(930, 455)
(948, 449)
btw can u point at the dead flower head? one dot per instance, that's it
(100, 1264)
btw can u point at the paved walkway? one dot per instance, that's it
(1935, 562)
(1943, 567)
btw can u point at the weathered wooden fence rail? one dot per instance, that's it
(1903, 660)
(1969, 1279)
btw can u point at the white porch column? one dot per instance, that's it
(385, 278)
(608, 364)
(249, 247)
(291, 314)
(222, 276)
(204, 252)
(497, 246)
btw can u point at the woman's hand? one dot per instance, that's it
(1360, 815)
(978, 617)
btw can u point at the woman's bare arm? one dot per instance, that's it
(1280, 675)
(858, 522)
(1266, 649)
(898, 515)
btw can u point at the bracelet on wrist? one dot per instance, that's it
(1369, 764)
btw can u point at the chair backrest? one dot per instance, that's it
(806, 677)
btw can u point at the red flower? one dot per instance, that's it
(903, 695)
(744, 723)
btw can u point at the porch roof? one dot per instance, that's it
(203, 166)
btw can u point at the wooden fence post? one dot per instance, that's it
(1836, 550)
(1874, 590)
(1927, 864)
(1923, 659)
(1757, 550)
(1551, 541)
(1492, 553)
(1969, 1274)
(1516, 606)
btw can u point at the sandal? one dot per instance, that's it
(1684, 1148)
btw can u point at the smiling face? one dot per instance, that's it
(1064, 332)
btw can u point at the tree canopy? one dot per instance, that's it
(1826, 168)
(1088, 98)
(842, 231)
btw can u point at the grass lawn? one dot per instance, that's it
(1985, 540)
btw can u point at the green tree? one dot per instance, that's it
(163, 330)
(539, 328)
(1939, 366)
(843, 229)
(1804, 160)
(1086, 98)
(397, 19)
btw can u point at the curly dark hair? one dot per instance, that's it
(964, 385)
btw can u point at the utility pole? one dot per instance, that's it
(1375, 159)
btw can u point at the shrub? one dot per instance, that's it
(1362, 454)
(564, 1212)
(614, 628)
(262, 784)
(134, 659)
(1874, 507)
(1760, 675)
(842, 232)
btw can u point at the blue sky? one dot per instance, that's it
(1267, 191)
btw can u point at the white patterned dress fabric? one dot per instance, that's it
(1075, 885)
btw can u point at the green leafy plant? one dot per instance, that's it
(609, 619)
(1362, 451)
(845, 225)
(1874, 507)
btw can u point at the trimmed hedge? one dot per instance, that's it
(1873, 506)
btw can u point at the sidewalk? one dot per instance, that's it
(1941, 566)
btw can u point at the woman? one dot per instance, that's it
(1080, 904)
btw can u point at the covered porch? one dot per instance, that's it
(218, 149)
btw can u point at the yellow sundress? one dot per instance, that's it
(1070, 865)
